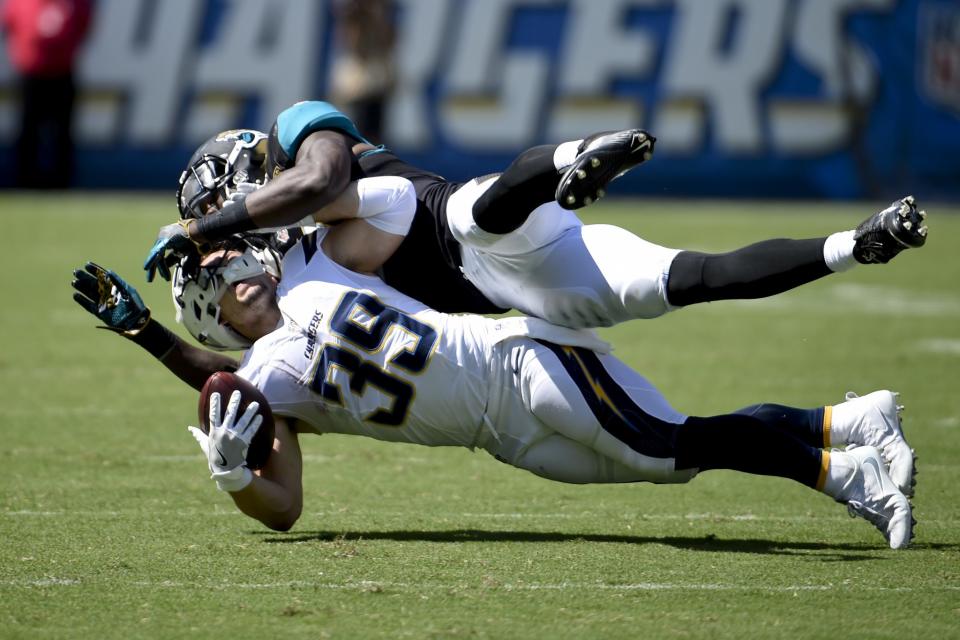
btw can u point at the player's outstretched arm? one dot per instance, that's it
(119, 307)
(275, 495)
(320, 174)
(272, 495)
(192, 364)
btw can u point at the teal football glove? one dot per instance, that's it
(114, 302)
(173, 242)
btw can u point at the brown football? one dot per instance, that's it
(226, 383)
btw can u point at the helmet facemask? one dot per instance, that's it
(197, 291)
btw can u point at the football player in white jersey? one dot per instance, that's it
(348, 354)
(337, 350)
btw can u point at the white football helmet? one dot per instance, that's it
(197, 293)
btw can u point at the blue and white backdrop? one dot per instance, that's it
(766, 98)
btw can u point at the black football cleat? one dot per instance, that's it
(602, 158)
(885, 234)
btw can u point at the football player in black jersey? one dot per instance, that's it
(504, 241)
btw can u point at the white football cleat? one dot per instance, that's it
(870, 493)
(874, 420)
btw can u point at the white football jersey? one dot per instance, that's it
(357, 356)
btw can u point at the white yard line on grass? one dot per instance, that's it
(307, 457)
(941, 346)
(444, 517)
(857, 298)
(367, 585)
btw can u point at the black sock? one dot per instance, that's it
(805, 424)
(528, 182)
(756, 271)
(744, 443)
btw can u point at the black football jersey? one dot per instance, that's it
(426, 266)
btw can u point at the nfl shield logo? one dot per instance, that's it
(939, 40)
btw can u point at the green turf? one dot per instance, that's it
(111, 529)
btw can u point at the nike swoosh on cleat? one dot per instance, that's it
(876, 470)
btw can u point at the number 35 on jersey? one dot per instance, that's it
(378, 348)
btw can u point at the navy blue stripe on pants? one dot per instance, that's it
(613, 407)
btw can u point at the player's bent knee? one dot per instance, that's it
(460, 215)
(635, 270)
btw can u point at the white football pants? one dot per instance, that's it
(556, 268)
(611, 425)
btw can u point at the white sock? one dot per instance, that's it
(565, 154)
(843, 418)
(839, 472)
(838, 251)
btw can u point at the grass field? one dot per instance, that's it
(111, 529)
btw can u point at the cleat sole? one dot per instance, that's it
(601, 159)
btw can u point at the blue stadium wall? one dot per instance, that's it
(762, 98)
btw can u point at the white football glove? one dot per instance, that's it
(227, 443)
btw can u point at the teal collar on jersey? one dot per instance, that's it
(369, 152)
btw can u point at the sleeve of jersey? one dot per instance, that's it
(302, 119)
(281, 388)
(387, 203)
